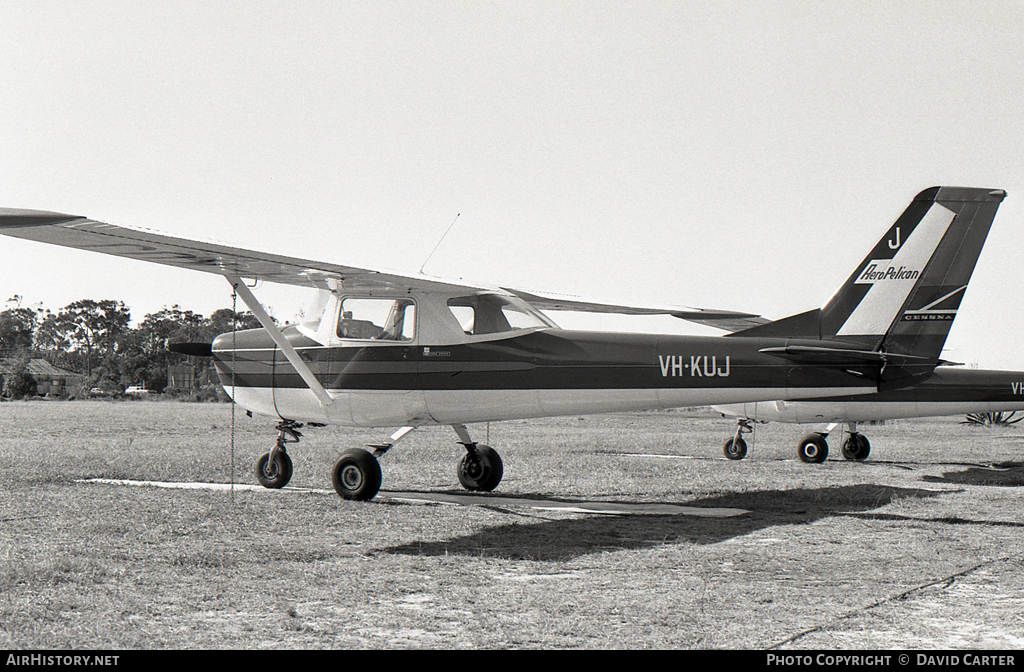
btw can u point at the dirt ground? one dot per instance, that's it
(626, 531)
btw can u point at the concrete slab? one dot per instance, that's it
(468, 499)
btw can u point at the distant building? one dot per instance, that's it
(181, 377)
(187, 377)
(49, 378)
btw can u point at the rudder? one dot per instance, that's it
(903, 296)
(921, 326)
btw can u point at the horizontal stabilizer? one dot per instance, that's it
(890, 369)
(843, 357)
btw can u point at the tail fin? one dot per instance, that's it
(904, 295)
(926, 316)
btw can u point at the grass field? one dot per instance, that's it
(920, 547)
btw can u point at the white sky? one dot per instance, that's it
(736, 155)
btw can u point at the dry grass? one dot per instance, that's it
(838, 555)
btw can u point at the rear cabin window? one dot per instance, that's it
(493, 314)
(378, 319)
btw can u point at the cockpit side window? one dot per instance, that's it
(492, 313)
(378, 319)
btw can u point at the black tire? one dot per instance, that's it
(276, 474)
(481, 470)
(856, 447)
(735, 449)
(813, 449)
(357, 475)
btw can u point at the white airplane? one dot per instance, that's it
(388, 349)
(949, 391)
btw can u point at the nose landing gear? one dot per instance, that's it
(274, 469)
(736, 448)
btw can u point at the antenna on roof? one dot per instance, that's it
(439, 242)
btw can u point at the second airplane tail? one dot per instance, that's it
(901, 300)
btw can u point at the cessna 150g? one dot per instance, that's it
(388, 349)
(947, 392)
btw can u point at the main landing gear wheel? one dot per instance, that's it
(735, 449)
(274, 472)
(856, 447)
(813, 449)
(481, 468)
(357, 475)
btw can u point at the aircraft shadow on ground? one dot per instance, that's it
(1006, 474)
(566, 539)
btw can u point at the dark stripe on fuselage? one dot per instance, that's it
(547, 359)
(950, 385)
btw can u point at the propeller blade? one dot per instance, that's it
(194, 349)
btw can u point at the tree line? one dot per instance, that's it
(95, 339)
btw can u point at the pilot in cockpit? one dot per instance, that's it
(350, 328)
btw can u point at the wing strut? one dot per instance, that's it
(286, 348)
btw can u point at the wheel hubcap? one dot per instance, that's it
(351, 477)
(474, 469)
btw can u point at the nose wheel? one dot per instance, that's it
(736, 448)
(274, 468)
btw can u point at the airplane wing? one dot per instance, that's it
(86, 234)
(720, 319)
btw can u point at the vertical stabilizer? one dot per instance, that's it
(903, 296)
(924, 320)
